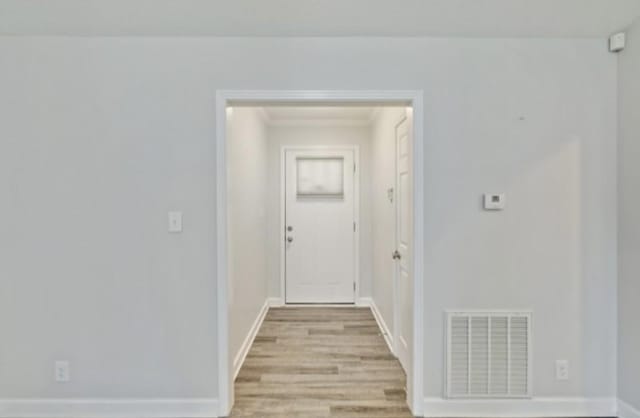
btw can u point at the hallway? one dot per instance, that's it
(320, 362)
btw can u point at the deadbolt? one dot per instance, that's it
(289, 239)
(289, 228)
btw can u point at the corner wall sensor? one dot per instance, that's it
(617, 42)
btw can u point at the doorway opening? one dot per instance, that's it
(317, 193)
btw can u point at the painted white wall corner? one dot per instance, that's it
(109, 408)
(275, 302)
(627, 411)
(520, 408)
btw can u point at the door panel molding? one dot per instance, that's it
(412, 98)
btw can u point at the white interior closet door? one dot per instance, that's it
(403, 327)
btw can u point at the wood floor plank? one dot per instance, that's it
(320, 362)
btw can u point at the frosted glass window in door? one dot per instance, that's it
(320, 176)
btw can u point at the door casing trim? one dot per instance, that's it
(413, 98)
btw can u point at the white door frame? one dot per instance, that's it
(356, 209)
(413, 98)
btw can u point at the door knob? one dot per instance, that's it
(289, 239)
(396, 255)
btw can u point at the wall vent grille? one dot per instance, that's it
(488, 354)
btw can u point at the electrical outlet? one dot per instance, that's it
(562, 370)
(61, 370)
(175, 221)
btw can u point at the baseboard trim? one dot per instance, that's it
(386, 333)
(520, 408)
(627, 411)
(248, 341)
(109, 408)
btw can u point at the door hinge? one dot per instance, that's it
(354, 287)
(354, 227)
(354, 167)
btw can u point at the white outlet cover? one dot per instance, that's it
(175, 221)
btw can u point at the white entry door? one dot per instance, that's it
(319, 226)
(403, 255)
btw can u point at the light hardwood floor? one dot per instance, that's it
(317, 362)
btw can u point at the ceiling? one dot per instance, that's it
(319, 113)
(450, 18)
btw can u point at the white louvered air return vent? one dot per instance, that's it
(488, 354)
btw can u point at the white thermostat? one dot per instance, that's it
(494, 201)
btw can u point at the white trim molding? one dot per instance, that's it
(109, 408)
(412, 98)
(386, 333)
(225, 378)
(370, 303)
(519, 408)
(627, 411)
(241, 355)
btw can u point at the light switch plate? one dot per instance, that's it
(175, 221)
(61, 371)
(562, 370)
(494, 201)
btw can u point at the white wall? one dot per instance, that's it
(629, 220)
(318, 134)
(247, 157)
(100, 137)
(538, 125)
(383, 177)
